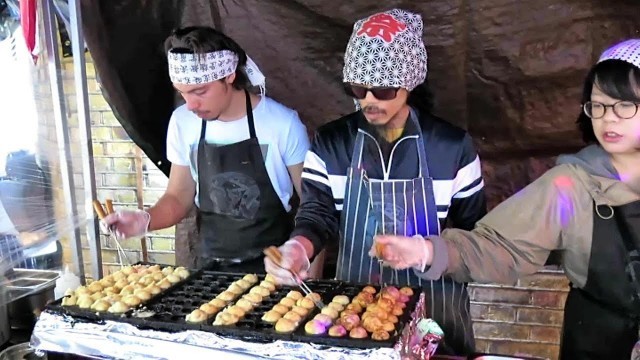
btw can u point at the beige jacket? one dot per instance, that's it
(555, 212)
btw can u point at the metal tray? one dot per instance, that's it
(99, 317)
(24, 282)
(171, 307)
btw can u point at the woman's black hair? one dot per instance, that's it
(201, 40)
(617, 79)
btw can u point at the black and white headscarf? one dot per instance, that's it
(190, 69)
(386, 50)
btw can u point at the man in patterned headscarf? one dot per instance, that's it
(389, 168)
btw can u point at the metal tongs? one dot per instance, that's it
(102, 212)
(379, 248)
(274, 254)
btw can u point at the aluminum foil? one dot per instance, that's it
(112, 339)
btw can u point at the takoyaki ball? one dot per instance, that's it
(225, 318)
(271, 316)
(142, 294)
(251, 278)
(118, 308)
(196, 316)
(337, 331)
(406, 291)
(388, 326)
(101, 305)
(235, 289)
(302, 311)
(314, 327)
(285, 326)
(243, 284)
(219, 303)
(369, 289)
(131, 300)
(372, 324)
(268, 285)
(295, 295)
(314, 296)
(305, 303)
(270, 278)
(380, 335)
(288, 302)
(260, 291)
(236, 310)
(84, 301)
(358, 333)
(209, 309)
(390, 292)
(354, 307)
(341, 299)
(244, 304)
(293, 317)
(279, 308)
(226, 296)
(254, 298)
(324, 319)
(337, 306)
(329, 311)
(385, 304)
(349, 321)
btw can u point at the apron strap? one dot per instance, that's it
(203, 129)
(358, 148)
(422, 154)
(252, 129)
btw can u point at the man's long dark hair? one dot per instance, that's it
(421, 98)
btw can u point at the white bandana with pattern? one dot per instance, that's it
(628, 51)
(386, 50)
(190, 69)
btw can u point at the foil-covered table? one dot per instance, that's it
(117, 340)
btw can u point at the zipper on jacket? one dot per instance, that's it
(386, 170)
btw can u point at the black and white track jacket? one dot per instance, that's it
(452, 161)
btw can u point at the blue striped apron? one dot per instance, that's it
(399, 207)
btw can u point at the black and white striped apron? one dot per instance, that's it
(399, 207)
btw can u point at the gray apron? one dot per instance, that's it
(399, 207)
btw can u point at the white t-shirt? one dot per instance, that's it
(278, 128)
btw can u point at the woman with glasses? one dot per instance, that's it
(390, 168)
(588, 207)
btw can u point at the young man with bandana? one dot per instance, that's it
(389, 168)
(237, 154)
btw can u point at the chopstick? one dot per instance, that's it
(97, 206)
(274, 254)
(102, 213)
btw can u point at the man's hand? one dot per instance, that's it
(126, 224)
(402, 252)
(294, 258)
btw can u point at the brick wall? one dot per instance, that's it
(115, 157)
(524, 319)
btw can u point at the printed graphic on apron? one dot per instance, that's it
(235, 195)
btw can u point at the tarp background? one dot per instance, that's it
(510, 72)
